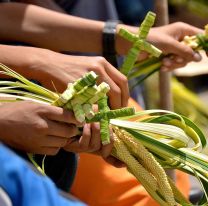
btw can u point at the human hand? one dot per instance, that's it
(36, 128)
(62, 69)
(168, 38)
(90, 142)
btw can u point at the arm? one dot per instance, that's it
(49, 29)
(53, 30)
(61, 32)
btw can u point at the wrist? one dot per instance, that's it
(21, 59)
(108, 42)
(38, 59)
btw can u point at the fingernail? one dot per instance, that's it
(179, 60)
(197, 57)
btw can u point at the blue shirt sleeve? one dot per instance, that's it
(25, 187)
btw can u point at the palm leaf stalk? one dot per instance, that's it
(146, 141)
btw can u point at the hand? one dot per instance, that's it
(168, 39)
(36, 128)
(90, 141)
(62, 69)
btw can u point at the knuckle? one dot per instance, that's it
(98, 69)
(116, 91)
(95, 127)
(41, 126)
(180, 24)
(124, 79)
(100, 59)
(188, 51)
(40, 108)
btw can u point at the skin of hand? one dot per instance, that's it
(36, 128)
(63, 69)
(90, 142)
(170, 43)
(167, 38)
(55, 69)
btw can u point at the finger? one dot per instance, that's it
(115, 98)
(114, 94)
(180, 60)
(84, 140)
(95, 141)
(60, 129)
(106, 149)
(197, 57)
(54, 141)
(121, 81)
(73, 147)
(170, 64)
(61, 115)
(115, 162)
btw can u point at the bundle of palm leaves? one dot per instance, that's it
(146, 141)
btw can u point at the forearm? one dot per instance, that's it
(53, 30)
(49, 29)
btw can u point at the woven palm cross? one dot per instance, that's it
(139, 43)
